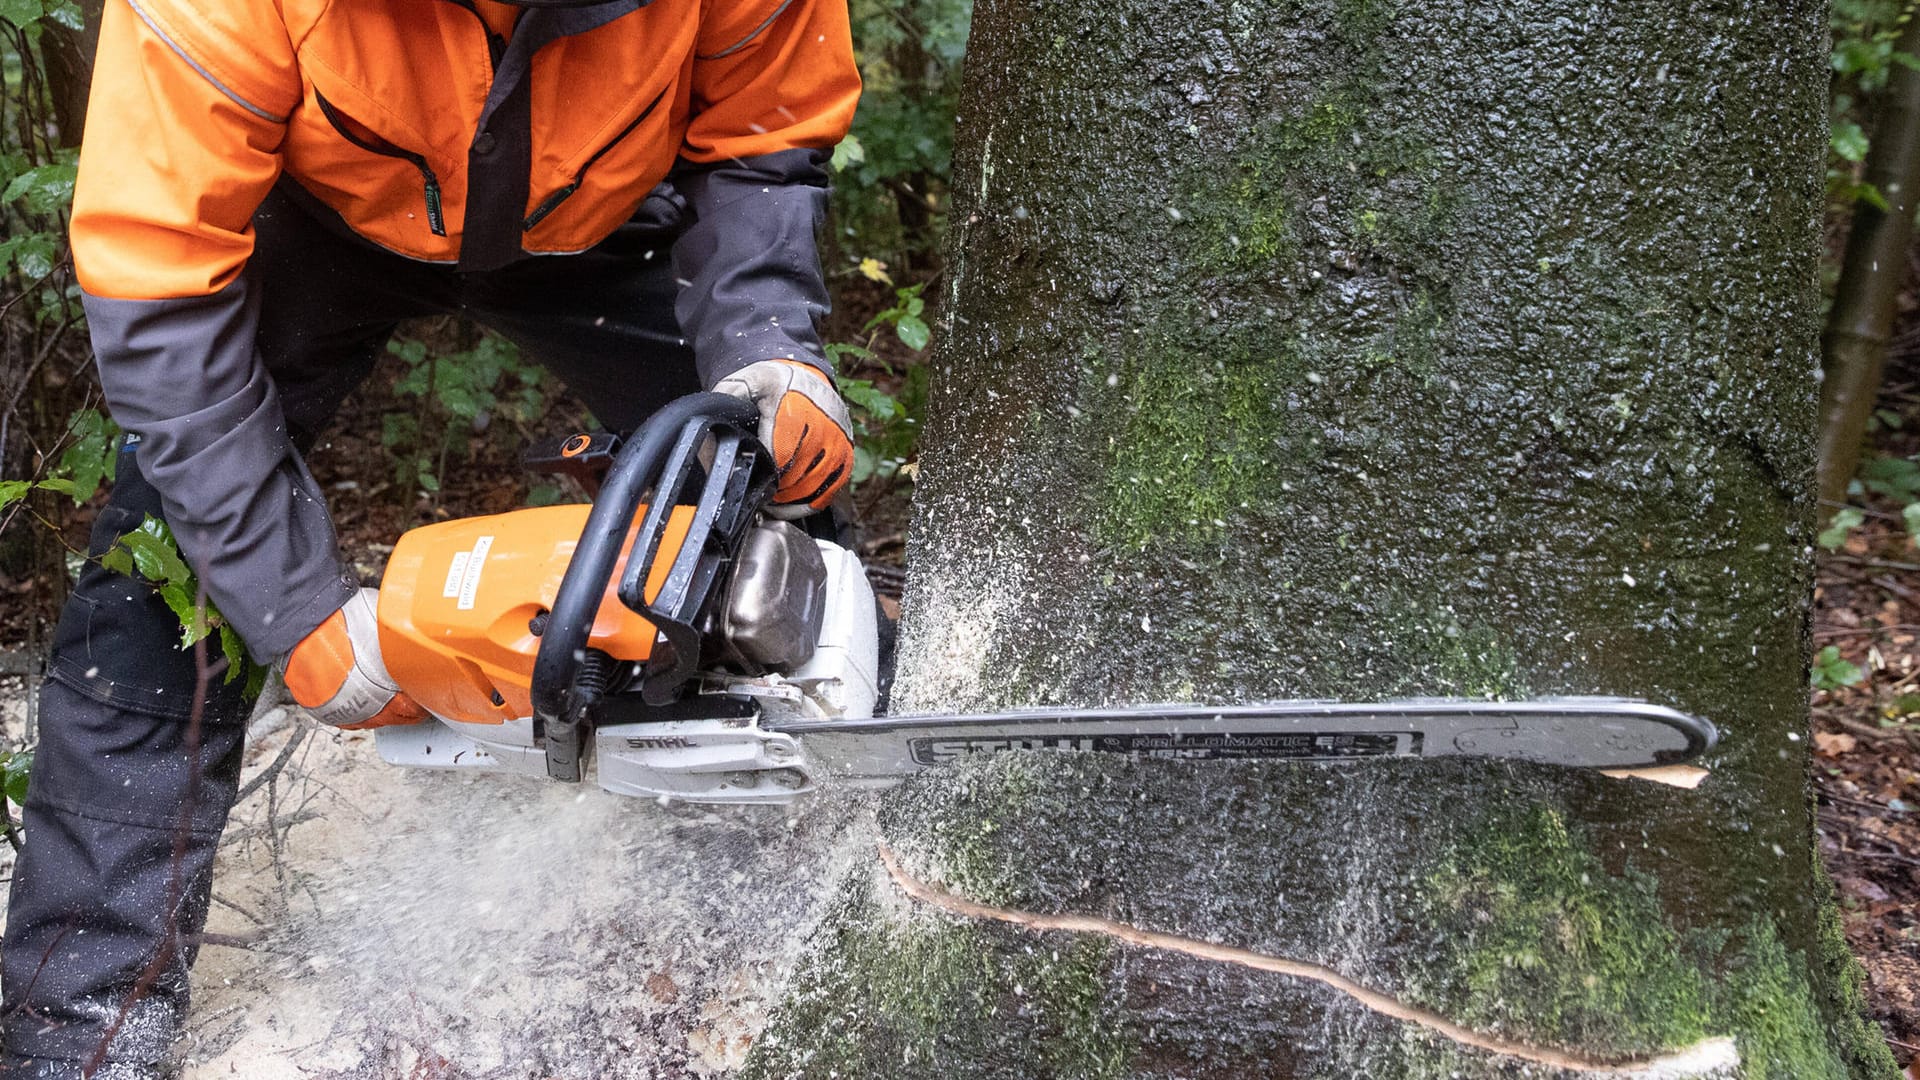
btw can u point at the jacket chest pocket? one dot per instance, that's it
(366, 139)
(560, 195)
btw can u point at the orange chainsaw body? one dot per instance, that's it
(459, 601)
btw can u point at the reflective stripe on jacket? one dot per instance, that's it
(435, 137)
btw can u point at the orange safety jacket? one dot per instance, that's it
(444, 132)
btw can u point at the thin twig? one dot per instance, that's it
(1885, 856)
(226, 903)
(1881, 564)
(1864, 804)
(1852, 631)
(273, 767)
(1897, 589)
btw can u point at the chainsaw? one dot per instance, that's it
(679, 643)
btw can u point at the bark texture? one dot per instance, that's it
(1360, 348)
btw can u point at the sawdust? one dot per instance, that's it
(433, 925)
(947, 642)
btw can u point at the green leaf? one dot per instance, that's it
(862, 394)
(155, 554)
(21, 13)
(1895, 477)
(1911, 515)
(45, 188)
(12, 491)
(62, 486)
(1849, 141)
(14, 774)
(186, 607)
(398, 431)
(1830, 672)
(119, 560)
(409, 350)
(858, 352)
(1845, 520)
(33, 254)
(849, 152)
(256, 681)
(913, 332)
(89, 457)
(234, 650)
(67, 14)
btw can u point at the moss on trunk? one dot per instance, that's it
(1360, 348)
(1542, 914)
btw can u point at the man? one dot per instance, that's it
(627, 188)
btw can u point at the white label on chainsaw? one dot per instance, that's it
(454, 573)
(470, 583)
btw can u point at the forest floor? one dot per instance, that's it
(1867, 780)
(1867, 745)
(331, 956)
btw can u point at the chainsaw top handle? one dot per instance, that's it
(708, 438)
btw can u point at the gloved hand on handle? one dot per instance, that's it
(336, 673)
(805, 423)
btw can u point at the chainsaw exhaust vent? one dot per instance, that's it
(771, 618)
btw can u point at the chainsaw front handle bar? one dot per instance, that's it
(653, 469)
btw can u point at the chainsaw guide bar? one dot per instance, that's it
(1580, 732)
(687, 646)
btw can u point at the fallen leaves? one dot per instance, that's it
(1867, 772)
(1829, 744)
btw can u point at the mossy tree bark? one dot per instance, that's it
(1363, 348)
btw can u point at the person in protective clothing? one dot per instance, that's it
(628, 189)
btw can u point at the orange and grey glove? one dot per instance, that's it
(336, 674)
(805, 424)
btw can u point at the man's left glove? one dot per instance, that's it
(336, 672)
(805, 424)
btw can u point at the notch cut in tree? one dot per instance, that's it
(1348, 348)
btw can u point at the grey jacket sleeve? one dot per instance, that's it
(182, 376)
(752, 285)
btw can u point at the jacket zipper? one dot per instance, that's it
(496, 45)
(435, 219)
(552, 202)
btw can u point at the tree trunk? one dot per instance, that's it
(1361, 349)
(1855, 343)
(66, 57)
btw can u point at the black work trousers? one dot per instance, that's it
(129, 794)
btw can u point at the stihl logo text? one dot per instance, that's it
(659, 742)
(943, 751)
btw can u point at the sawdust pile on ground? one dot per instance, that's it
(428, 925)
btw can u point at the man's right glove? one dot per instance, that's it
(336, 672)
(805, 424)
